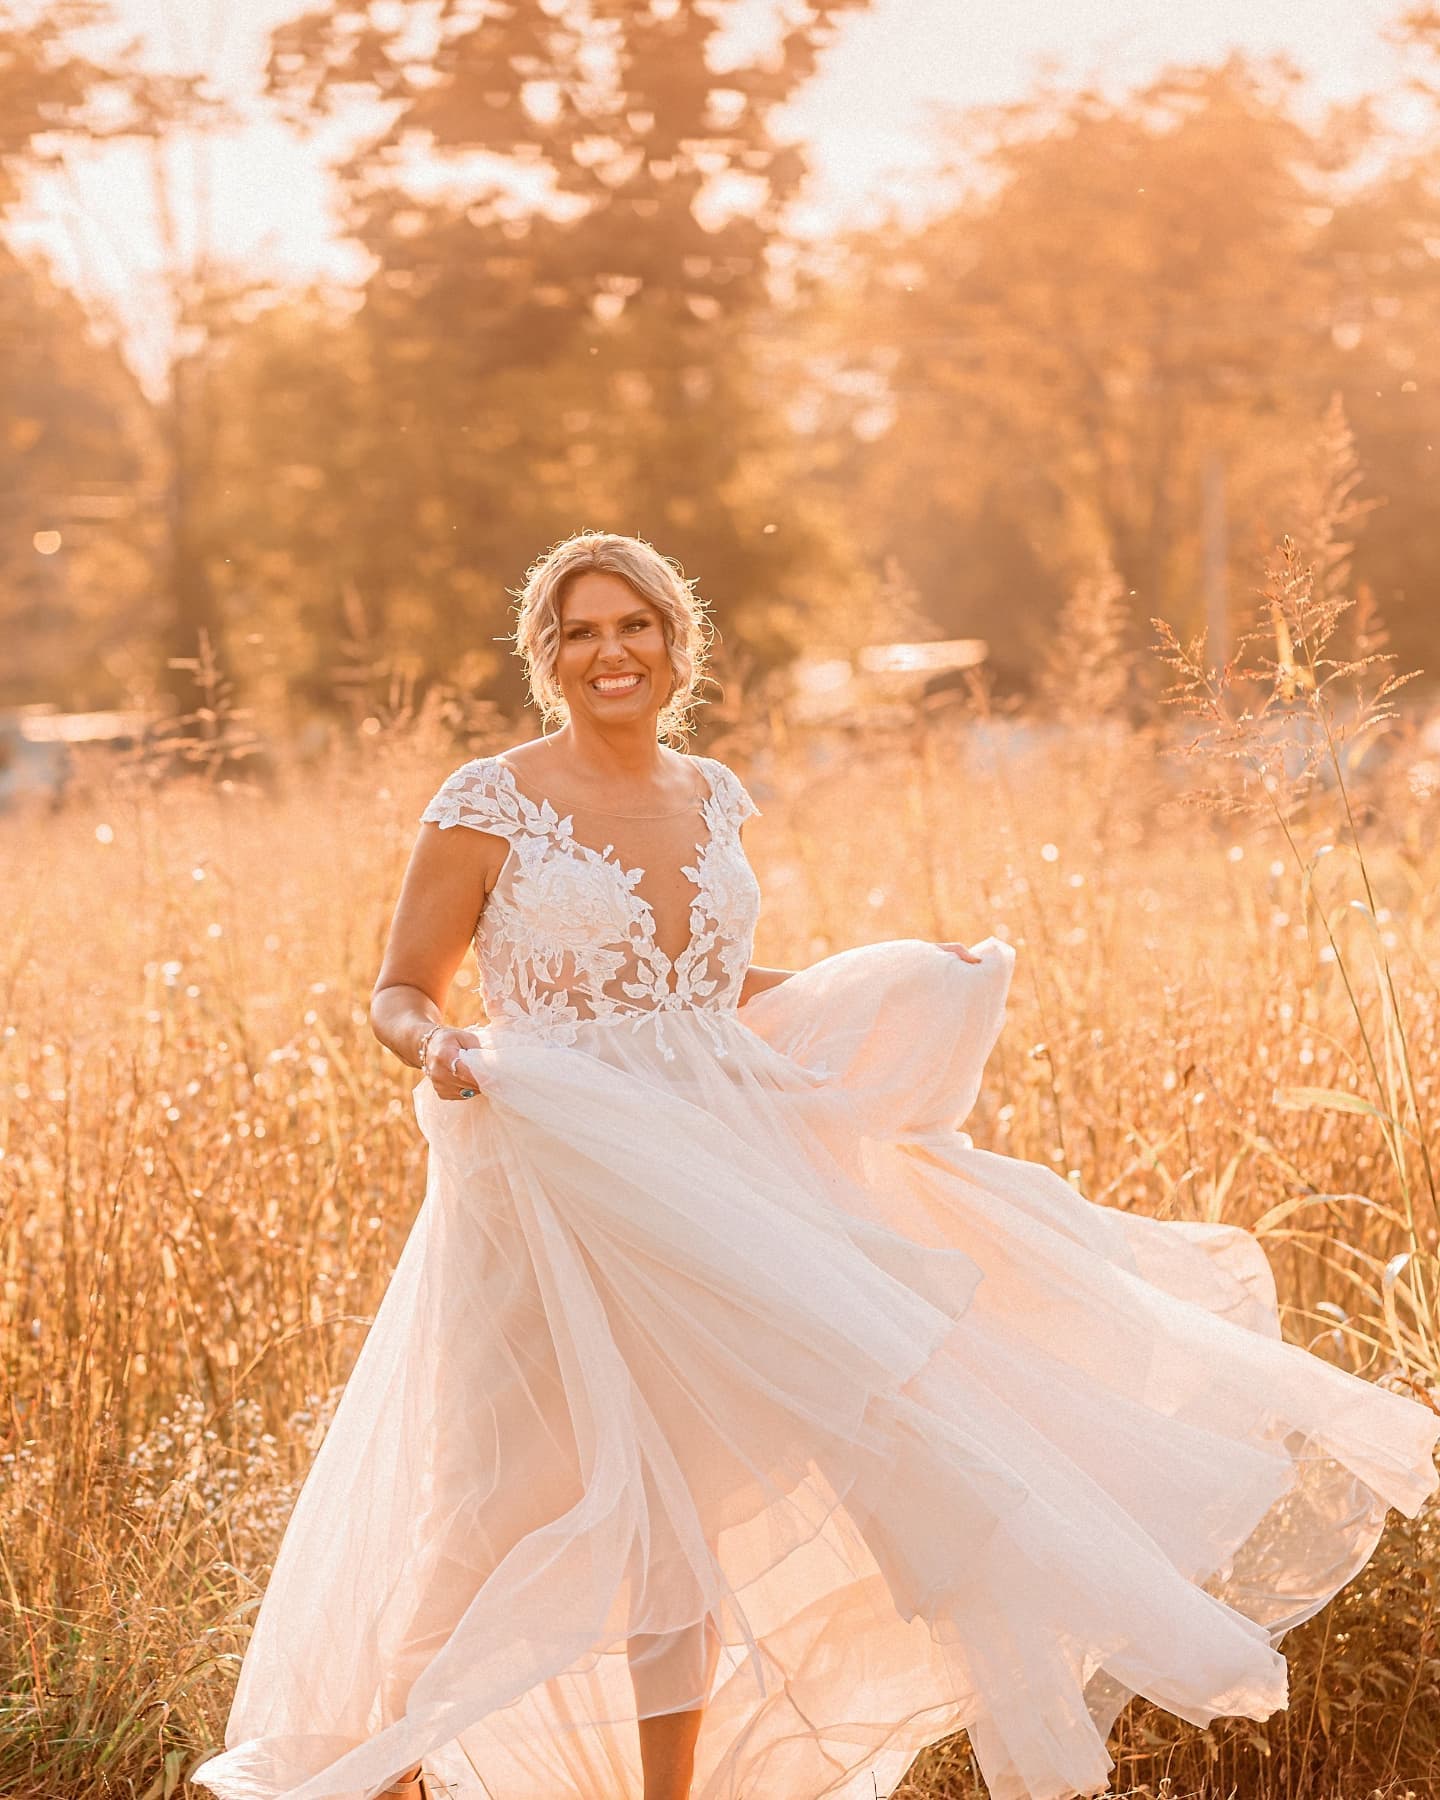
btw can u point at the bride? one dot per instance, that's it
(731, 1425)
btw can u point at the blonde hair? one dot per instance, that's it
(656, 578)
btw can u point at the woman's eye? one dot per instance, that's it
(576, 632)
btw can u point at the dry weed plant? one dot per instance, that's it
(208, 1166)
(1088, 669)
(1290, 714)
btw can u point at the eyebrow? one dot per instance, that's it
(640, 612)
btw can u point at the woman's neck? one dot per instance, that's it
(630, 754)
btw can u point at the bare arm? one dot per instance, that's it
(758, 979)
(447, 881)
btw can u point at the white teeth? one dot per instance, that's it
(615, 684)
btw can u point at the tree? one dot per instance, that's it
(1383, 243)
(569, 213)
(72, 420)
(1135, 291)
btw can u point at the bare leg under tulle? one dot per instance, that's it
(724, 1318)
(667, 1739)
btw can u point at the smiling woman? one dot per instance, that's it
(731, 1423)
(610, 649)
(611, 612)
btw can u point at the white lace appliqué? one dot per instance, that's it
(564, 937)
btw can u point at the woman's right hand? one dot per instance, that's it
(440, 1054)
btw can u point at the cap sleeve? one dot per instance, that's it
(479, 794)
(732, 792)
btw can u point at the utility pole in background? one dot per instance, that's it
(1215, 538)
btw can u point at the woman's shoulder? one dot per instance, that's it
(727, 786)
(530, 753)
(479, 793)
(483, 792)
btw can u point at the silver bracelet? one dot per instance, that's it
(425, 1037)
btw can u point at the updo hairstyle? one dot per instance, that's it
(654, 577)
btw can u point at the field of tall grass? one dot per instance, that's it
(208, 1166)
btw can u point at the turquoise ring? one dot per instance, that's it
(467, 1093)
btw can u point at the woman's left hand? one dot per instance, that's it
(960, 951)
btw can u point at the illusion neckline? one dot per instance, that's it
(705, 806)
(695, 804)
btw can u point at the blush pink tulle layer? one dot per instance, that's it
(720, 1368)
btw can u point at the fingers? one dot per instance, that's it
(448, 1077)
(961, 951)
(458, 1082)
(457, 1085)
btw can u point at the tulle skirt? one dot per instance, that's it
(721, 1369)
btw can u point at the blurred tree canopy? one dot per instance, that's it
(73, 422)
(523, 364)
(1142, 297)
(74, 565)
(1106, 356)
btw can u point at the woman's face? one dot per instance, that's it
(613, 665)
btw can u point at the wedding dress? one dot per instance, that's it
(721, 1368)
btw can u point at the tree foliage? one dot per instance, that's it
(1139, 290)
(584, 307)
(569, 213)
(72, 420)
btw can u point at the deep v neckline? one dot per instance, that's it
(543, 820)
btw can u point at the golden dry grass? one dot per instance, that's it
(209, 1168)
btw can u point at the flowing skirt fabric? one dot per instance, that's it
(720, 1368)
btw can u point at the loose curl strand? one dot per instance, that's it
(656, 578)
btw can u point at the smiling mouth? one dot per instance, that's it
(616, 684)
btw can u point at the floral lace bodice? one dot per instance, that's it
(564, 937)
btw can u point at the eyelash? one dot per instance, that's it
(581, 631)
